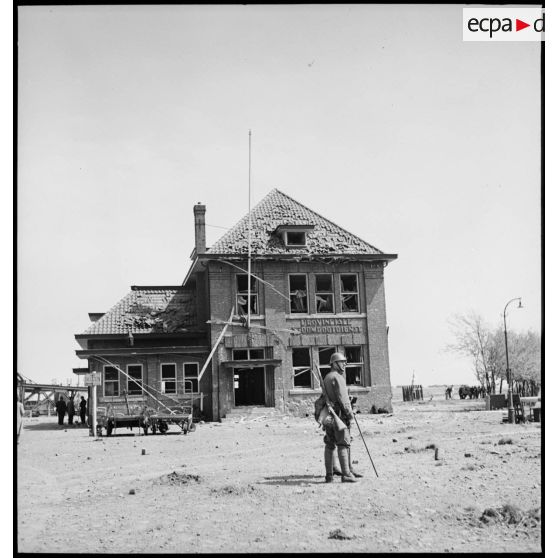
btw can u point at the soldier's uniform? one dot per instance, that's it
(336, 390)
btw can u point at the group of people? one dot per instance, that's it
(62, 408)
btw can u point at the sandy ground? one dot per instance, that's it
(258, 486)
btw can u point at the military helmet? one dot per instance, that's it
(336, 357)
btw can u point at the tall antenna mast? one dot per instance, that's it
(249, 222)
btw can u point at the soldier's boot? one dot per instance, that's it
(328, 459)
(355, 474)
(343, 453)
(336, 469)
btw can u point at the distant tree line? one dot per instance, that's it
(485, 347)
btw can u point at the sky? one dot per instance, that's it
(378, 117)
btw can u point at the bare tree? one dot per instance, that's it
(486, 349)
(473, 339)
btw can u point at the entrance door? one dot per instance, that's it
(249, 386)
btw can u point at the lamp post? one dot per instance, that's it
(511, 416)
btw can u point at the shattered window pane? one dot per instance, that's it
(324, 293)
(324, 354)
(191, 384)
(349, 293)
(298, 293)
(353, 370)
(242, 295)
(168, 377)
(135, 379)
(111, 381)
(301, 367)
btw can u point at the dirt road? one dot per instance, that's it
(258, 486)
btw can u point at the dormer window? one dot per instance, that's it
(294, 236)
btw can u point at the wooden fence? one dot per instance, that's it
(412, 393)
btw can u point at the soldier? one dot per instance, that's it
(336, 390)
(71, 409)
(82, 409)
(61, 410)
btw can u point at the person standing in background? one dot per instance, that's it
(71, 410)
(20, 412)
(61, 410)
(82, 409)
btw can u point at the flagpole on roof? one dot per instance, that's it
(249, 220)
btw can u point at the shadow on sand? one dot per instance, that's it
(293, 480)
(52, 426)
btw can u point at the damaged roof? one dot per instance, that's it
(276, 210)
(149, 310)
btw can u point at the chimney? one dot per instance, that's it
(199, 227)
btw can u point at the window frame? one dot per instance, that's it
(291, 293)
(342, 292)
(189, 377)
(350, 365)
(300, 370)
(128, 381)
(353, 365)
(296, 245)
(117, 381)
(253, 295)
(163, 381)
(248, 353)
(328, 293)
(326, 366)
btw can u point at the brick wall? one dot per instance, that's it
(275, 311)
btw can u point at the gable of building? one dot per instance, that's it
(278, 210)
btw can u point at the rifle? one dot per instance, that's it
(339, 424)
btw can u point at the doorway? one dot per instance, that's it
(249, 386)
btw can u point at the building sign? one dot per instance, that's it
(93, 379)
(328, 325)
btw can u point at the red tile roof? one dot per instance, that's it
(149, 310)
(279, 209)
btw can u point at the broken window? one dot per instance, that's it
(111, 381)
(191, 384)
(353, 370)
(349, 292)
(301, 367)
(168, 378)
(295, 238)
(298, 293)
(324, 354)
(134, 379)
(242, 295)
(324, 293)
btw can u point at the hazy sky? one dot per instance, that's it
(380, 118)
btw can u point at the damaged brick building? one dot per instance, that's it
(315, 289)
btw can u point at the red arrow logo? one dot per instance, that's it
(519, 25)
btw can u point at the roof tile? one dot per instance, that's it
(149, 310)
(279, 209)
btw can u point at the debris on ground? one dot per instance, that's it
(176, 479)
(511, 515)
(234, 490)
(339, 535)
